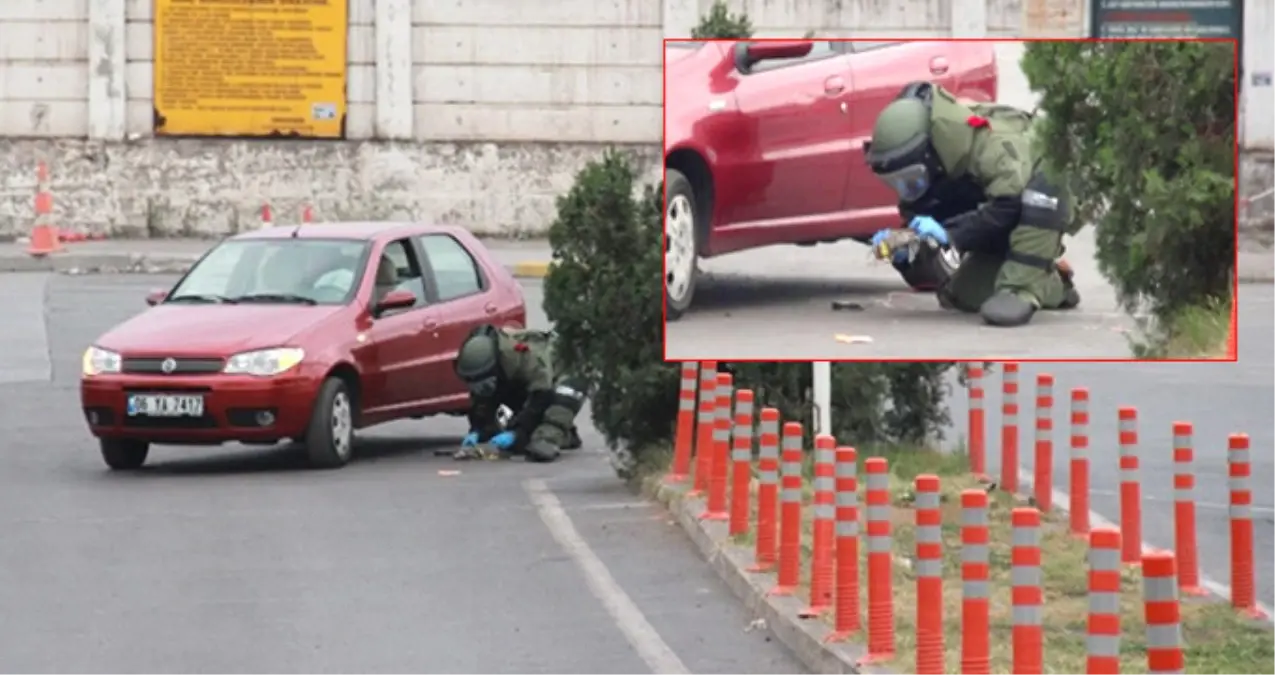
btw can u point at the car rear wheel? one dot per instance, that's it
(329, 440)
(680, 244)
(124, 454)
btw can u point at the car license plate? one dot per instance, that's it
(165, 405)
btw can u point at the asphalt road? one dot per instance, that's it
(240, 560)
(1218, 398)
(775, 303)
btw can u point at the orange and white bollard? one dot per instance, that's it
(1009, 427)
(307, 215)
(705, 422)
(1078, 481)
(790, 512)
(929, 577)
(719, 473)
(1163, 614)
(1184, 511)
(824, 526)
(1026, 596)
(1102, 643)
(685, 443)
(741, 456)
(767, 491)
(880, 562)
(1239, 471)
(267, 218)
(846, 621)
(1043, 480)
(1130, 488)
(44, 234)
(976, 648)
(977, 422)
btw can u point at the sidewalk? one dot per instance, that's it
(525, 259)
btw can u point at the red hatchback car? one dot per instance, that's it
(303, 333)
(763, 142)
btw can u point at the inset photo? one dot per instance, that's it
(832, 199)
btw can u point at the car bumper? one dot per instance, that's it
(236, 408)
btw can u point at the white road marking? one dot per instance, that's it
(628, 618)
(1061, 499)
(1198, 504)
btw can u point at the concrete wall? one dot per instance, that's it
(476, 112)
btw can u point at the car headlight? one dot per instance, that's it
(98, 361)
(264, 362)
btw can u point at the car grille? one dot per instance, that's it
(182, 366)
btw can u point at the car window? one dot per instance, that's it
(398, 270)
(821, 50)
(321, 271)
(455, 272)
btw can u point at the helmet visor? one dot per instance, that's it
(483, 387)
(910, 182)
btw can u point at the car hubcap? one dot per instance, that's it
(679, 246)
(342, 424)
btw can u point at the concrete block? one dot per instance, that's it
(44, 119)
(43, 80)
(44, 10)
(578, 124)
(539, 84)
(590, 13)
(563, 46)
(44, 40)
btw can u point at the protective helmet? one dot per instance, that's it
(478, 361)
(901, 153)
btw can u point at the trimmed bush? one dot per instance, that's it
(1144, 134)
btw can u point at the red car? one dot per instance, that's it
(763, 141)
(303, 333)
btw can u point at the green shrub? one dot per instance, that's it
(603, 295)
(1144, 134)
(721, 24)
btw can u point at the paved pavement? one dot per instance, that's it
(775, 303)
(239, 560)
(1218, 398)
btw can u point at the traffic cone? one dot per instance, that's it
(267, 220)
(44, 234)
(307, 216)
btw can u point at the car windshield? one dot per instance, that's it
(287, 271)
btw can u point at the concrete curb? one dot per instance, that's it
(68, 262)
(804, 637)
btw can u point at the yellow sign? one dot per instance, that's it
(250, 68)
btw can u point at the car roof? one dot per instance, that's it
(360, 230)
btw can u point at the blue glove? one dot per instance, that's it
(929, 228)
(878, 238)
(503, 440)
(471, 440)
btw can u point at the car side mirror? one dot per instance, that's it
(396, 299)
(156, 296)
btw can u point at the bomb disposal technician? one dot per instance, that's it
(967, 176)
(515, 368)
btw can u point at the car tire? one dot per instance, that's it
(329, 438)
(121, 454)
(931, 277)
(681, 244)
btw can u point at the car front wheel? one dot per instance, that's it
(329, 439)
(124, 454)
(680, 244)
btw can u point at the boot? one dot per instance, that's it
(1071, 299)
(541, 451)
(1008, 309)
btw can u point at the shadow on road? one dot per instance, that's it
(728, 291)
(291, 457)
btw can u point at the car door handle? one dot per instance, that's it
(939, 66)
(834, 85)
(490, 308)
(430, 325)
